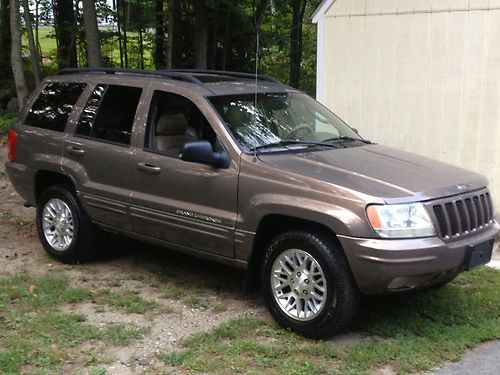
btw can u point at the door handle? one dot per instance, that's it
(148, 168)
(75, 150)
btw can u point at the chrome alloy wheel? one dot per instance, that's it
(57, 224)
(298, 284)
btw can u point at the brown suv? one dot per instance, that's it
(246, 171)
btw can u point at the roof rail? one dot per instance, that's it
(155, 73)
(227, 73)
(186, 75)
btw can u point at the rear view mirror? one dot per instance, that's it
(202, 152)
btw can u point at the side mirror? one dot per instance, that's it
(202, 152)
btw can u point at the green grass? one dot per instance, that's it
(109, 48)
(35, 335)
(129, 301)
(195, 302)
(7, 119)
(172, 291)
(119, 334)
(410, 333)
(32, 332)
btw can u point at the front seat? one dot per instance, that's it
(172, 132)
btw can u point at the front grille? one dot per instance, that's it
(463, 215)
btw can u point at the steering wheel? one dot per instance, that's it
(298, 128)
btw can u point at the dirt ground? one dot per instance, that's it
(205, 294)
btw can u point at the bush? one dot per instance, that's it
(7, 119)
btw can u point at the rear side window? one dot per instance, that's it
(109, 113)
(54, 105)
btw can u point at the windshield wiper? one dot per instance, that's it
(289, 142)
(345, 138)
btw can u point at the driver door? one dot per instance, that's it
(188, 204)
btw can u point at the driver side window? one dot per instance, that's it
(173, 121)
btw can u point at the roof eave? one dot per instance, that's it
(321, 10)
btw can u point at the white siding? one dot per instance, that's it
(420, 75)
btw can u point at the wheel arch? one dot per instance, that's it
(46, 178)
(268, 228)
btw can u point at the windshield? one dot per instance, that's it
(277, 118)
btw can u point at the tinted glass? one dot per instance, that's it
(109, 113)
(89, 112)
(54, 105)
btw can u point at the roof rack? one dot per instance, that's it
(186, 75)
(154, 73)
(226, 73)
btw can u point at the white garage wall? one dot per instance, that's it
(420, 75)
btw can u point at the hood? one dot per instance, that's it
(379, 171)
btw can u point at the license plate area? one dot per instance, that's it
(478, 255)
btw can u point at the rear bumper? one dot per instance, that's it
(23, 180)
(382, 266)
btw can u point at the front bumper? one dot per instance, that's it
(382, 266)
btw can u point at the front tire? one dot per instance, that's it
(308, 284)
(64, 229)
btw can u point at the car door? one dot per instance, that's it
(188, 204)
(98, 155)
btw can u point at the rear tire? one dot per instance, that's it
(64, 229)
(308, 285)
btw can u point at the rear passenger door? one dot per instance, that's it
(45, 122)
(98, 154)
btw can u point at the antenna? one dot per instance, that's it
(258, 15)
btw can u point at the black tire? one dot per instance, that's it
(84, 233)
(342, 295)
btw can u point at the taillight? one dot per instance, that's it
(11, 142)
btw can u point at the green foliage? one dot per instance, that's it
(7, 119)
(409, 333)
(231, 38)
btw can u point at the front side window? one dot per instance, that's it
(268, 119)
(54, 105)
(109, 113)
(173, 121)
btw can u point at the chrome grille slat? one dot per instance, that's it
(460, 215)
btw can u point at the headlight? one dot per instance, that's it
(400, 220)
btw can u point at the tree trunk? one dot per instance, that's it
(141, 43)
(174, 34)
(159, 35)
(298, 10)
(15, 57)
(64, 22)
(226, 52)
(35, 60)
(37, 24)
(5, 41)
(212, 51)
(91, 34)
(124, 28)
(200, 35)
(118, 25)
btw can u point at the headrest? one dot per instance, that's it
(171, 124)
